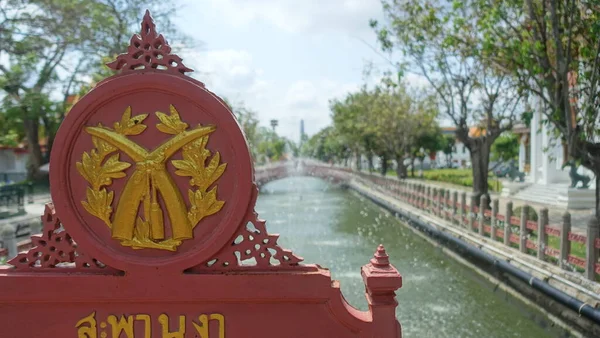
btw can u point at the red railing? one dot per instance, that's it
(434, 201)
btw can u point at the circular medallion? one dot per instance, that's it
(151, 170)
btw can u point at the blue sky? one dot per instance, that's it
(283, 58)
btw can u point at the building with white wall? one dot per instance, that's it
(461, 158)
(541, 157)
(13, 164)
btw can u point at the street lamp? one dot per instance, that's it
(274, 123)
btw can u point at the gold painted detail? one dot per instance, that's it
(150, 179)
(124, 326)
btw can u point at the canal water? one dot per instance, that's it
(440, 297)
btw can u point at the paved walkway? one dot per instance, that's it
(39, 203)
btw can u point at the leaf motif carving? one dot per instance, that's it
(186, 167)
(171, 124)
(99, 171)
(136, 129)
(202, 175)
(113, 165)
(130, 125)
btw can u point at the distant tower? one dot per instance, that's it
(301, 131)
(274, 123)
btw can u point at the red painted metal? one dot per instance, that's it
(499, 233)
(231, 279)
(552, 231)
(532, 225)
(577, 261)
(514, 220)
(531, 245)
(573, 237)
(552, 252)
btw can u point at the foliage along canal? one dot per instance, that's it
(439, 298)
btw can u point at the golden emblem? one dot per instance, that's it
(101, 166)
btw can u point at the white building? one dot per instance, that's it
(13, 164)
(461, 158)
(541, 157)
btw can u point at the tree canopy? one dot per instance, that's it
(390, 121)
(51, 50)
(440, 41)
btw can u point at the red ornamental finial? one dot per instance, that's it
(149, 50)
(380, 258)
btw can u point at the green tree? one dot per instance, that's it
(269, 146)
(428, 142)
(249, 123)
(402, 115)
(449, 148)
(265, 145)
(505, 148)
(386, 121)
(552, 47)
(351, 120)
(430, 34)
(51, 47)
(326, 146)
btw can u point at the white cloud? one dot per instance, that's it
(309, 100)
(228, 71)
(314, 16)
(232, 74)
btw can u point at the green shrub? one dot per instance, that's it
(462, 177)
(531, 213)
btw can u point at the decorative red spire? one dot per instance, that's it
(382, 280)
(149, 50)
(380, 258)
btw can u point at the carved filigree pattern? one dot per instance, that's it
(149, 50)
(252, 247)
(54, 248)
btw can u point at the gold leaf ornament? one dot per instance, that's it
(171, 124)
(102, 164)
(203, 203)
(130, 125)
(99, 171)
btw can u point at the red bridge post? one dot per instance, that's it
(382, 280)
